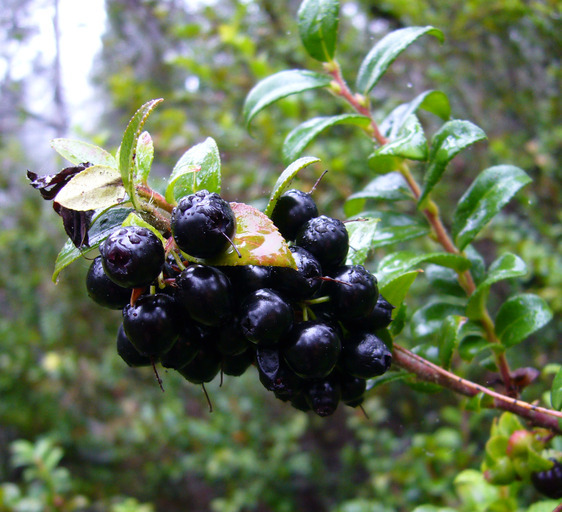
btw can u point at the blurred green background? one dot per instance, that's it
(81, 431)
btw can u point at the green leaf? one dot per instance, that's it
(318, 27)
(102, 226)
(448, 142)
(388, 187)
(471, 346)
(382, 164)
(556, 391)
(409, 143)
(428, 319)
(404, 260)
(134, 220)
(79, 152)
(145, 155)
(387, 378)
(505, 267)
(384, 53)
(435, 102)
(280, 85)
(128, 147)
(285, 179)
(395, 288)
(489, 192)
(199, 168)
(305, 133)
(361, 239)
(520, 316)
(257, 239)
(449, 337)
(544, 506)
(95, 187)
(399, 316)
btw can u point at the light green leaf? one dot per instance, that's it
(79, 152)
(556, 391)
(395, 288)
(505, 267)
(318, 27)
(410, 142)
(280, 85)
(448, 142)
(405, 260)
(285, 179)
(544, 506)
(361, 238)
(102, 226)
(388, 187)
(305, 133)
(95, 187)
(199, 168)
(489, 192)
(382, 164)
(520, 316)
(449, 337)
(257, 239)
(128, 148)
(387, 378)
(145, 155)
(428, 319)
(385, 52)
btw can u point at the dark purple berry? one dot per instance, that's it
(230, 340)
(202, 224)
(291, 211)
(323, 395)
(300, 403)
(353, 292)
(549, 482)
(128, 352)
(302, 283)
(364, 355)
(265, 317)
(104, 291)
(326, 238)
(152, 324)
(204, 367)
(185, 348)
(352, 388)
(311, 349)
(245, 279)
(132, 256)
(275, 374)
(237, 364)
(380, 317)
(205, 293)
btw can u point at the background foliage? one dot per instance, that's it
(78, 429)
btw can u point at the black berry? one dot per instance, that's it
(237, 364)
(364, 355)
(549, 482)
(203, 367)
(104, 291)
(132, 256)
(185, 348)
(323, 395)
(380, 317)
(202, 224)
(302, 283)
(128, 352)
(245, 279)
(291, 211)
(275, 374)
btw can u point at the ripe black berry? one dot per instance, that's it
(237, 364)
(128, 352)
(275, 375)
(311, 349)
(549, 482)
(104, 291)
(323, 395)
(364, 355)
(302, 283)
(291, 211)
(185, 348)
(326, 238)
(202, 224)
(152, 324)
(204, 367)
(245, 279)
(205, 293)
(353, 293)
(352, 388)
(380, 317)
(265, 317)
(132, 256)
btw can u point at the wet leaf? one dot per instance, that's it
(449, 337)
(556, 391)
(362, 234)
(395, 288)
(409, 142)
(404, 260)
(79, 152)
(429, 319)
(318, 27)
(145, 155)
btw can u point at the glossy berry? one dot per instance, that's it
(323, 395)
(275, 374)
(352, 388)
(128, 352)
(311, 349)
(300, 403)
(185, 348)
(298, 284)
(132, 256)
(237, 364)
(549, 482)
(353, 292)
(291, 211)
(229, 339)
(364, 355)
(152, 324)
(205, 294)
(202, 224)
(265, 317)
(245, 279)
(102, 290)
(326, 238)
(379, 317)
(203, 368)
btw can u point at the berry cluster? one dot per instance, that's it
(309, 331)
(549, 482)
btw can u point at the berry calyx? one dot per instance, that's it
(203, 224)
